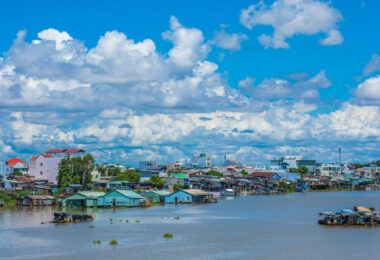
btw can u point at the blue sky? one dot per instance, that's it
(132, 80)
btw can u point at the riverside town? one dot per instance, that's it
(73, 178)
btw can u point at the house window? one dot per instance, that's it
(41, 164)
(41, 173)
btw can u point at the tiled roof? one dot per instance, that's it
(75, 150)
(263, 174)
(23, 179)
(12, 162)
(34, 157)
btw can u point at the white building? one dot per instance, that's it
(46, 166)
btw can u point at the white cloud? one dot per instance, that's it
(189, 46)
(333, 37)
(372, 66)
(227, 41)
(293, 17)
(369, 89)
(54, 35)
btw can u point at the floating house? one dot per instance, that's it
(84, 199)
(156, 196)
(188, 196)
(36, 200)
(122, 198)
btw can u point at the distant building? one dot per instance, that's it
(16, 165)
(46, 166)
(292, 161)
(328, 169)
(201, 160)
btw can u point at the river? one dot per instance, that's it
(246, 227)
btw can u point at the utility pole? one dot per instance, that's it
(340, 160)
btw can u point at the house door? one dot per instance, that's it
(114, 202)
(176, 200)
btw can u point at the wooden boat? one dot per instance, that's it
(63, 217)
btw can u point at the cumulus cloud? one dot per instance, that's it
(227, 41)
(293, 17)
(369, 89)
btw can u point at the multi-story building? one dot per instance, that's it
(16, 165)
(46, 166)
(289, 162)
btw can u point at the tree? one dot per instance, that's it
(214, 173)
(130, 175)
(157, 182)
(244, 173)
(177, 186)
(294, 170)
(303, 170)
(75, 170)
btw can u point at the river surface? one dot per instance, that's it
(247, 227)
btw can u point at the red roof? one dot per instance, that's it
(34, 157)
(263, 174)
(55, 151)
(46, 155)
(12, 162)
(76, 150)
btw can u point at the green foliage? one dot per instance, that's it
(293, 170)
(214, 173)
(157, 182)
(113, 242)
(177, 187)
(130, 175)
(286, 187)
(168, 235)
(244, 173)
(303, 170)
(75, 170)
(10, 198)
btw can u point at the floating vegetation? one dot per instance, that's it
(120, 220)
(113, 242)
(127, 220)
(168, 235)
(176, 217)
(91, 226)
(137, 221)
(96, 242)
(111, 219)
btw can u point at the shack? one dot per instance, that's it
(123, 198)
(156, 196)
(36, 200)
(84, 199)
(189, 196)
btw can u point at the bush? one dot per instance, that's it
(168, 235)
(113, 242)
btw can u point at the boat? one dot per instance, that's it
(64, 217)
(228, 192)
(359, 216)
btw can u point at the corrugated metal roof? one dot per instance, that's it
(161, 192)
(129, 194)
(91, 194)
(179, 175)
(196, 192)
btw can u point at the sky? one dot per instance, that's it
(161, 80)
